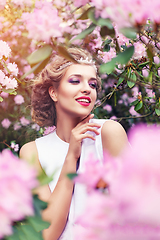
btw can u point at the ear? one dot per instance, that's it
(53, 93)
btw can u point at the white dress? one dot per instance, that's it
(52, 152)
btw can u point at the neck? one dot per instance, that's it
(64, 127)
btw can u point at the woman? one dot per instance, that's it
(64, 95)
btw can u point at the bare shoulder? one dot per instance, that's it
(114, 137)
(112, 127)
(29, 153)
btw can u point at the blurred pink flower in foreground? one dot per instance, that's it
(17, 179)
(130, 210)
(6, 123)
(19, 99)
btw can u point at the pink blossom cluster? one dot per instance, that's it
(19, 99)
(43, 23)
(126, 12)
(20, 3)
(7, 82)
(17, 179)
(48, 130)
(130, 209)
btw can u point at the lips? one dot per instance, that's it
(84, 101)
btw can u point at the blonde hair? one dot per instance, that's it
(43, 107)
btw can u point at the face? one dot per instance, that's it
(76, 94)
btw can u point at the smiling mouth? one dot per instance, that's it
(84, 101)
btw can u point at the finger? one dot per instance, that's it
(90, 116)
(86, 135)
(88, 125)
(91, 129)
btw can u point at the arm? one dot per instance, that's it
(114, 138)
(59, 200)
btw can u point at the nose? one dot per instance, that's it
(86, 88)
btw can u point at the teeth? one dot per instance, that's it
(83, 100)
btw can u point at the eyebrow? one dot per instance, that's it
(79, 75)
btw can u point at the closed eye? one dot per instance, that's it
(93, 85)
(74, 81)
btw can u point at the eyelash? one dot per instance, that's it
(93, 85)
(77, 81)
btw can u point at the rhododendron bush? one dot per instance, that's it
(123, 198)
(19, 217)
(123, 37)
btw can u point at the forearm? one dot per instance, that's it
(59, 202)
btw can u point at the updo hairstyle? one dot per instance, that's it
(43, 107)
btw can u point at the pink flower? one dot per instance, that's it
(9, 83)
(145, 72)
(14, 146)
(4, 95)
(156, 60)
(107, 56)
(130, 210)
(19, 99)
(133, 112)
(108, 108)
(22, 3)
(17, 126)
(4, 50)
(43, 23)
(17, 180)
(140, 50)
(6, 123)
(24, 121)
(78, 3)
(36, 126)
(13, 68)
(49, 130)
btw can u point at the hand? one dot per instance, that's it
(79, 133)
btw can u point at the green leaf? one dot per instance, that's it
(105, 31)
(37, 223)
(12, 237)
(71, 176)
(44, 179)
(108, 67)
(138, 106)
(120, 80)
(124, 57)
(84, 33)
(157, 110)
(1, 99)
(134, 102)
(32, 70)
(129, 32)
(150, 53)
(10, 91)
(142, 65)
(85, 14)
(150, 77)
(63, 52)
(30, 233)
(132, 83)
(38, 205)
(105, 22)
(91, 16)
(40, 54)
